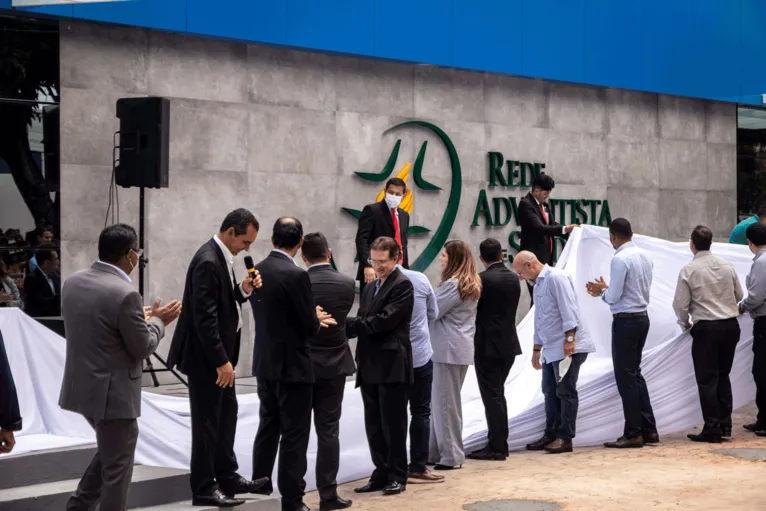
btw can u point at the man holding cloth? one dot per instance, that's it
(755, 304)
(628, 299)
(561, 346)
(708, 291)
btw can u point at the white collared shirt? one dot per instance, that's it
(123, 275)
(230, 263)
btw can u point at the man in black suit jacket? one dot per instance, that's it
(286, 318)
(382, 219)
(10, 416)
(333, 362)
(537, 222)
(205, 347)
(384, 362)
(496, 345)
(42, 287)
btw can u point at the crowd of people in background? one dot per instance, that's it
(29, 271)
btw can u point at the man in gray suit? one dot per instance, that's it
(109, 334)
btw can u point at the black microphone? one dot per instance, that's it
(250, 267)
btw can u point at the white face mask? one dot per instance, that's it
(393, 201)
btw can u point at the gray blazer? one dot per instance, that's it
(107, 339)
(453, 329)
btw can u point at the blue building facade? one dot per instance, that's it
(709, 49)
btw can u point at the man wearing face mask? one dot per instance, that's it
(382, 219)
(109, 334)
(538, 226)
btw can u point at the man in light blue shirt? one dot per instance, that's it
(628, 298)
(561, 346)
(425, 309)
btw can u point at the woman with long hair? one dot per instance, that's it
(452, 335)
(9, 292)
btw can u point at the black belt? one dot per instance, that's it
(621, 315)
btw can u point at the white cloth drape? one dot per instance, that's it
(37, 359)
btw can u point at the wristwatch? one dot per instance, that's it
(570, 338)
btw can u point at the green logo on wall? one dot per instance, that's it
(444, 228)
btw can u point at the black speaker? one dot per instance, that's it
(144, 142)
(51, 147)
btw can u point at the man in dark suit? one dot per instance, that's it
(384, 218)
(538, 226)
(286, 318)
(206, 348)
(108, 337)
(10, 416)
(42, 287)
(384, 362)
(333, 362)
(496, 345)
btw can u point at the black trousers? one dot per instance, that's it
(713, 347)
(326, 403)
(561, 398)
(285, 424)
(107, 478)
(491, 374)
(420, 410)
(759, 368)
(214, 425)
(628, 340)
(385, 421)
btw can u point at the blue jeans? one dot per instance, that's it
(420, 409)
(561, 400)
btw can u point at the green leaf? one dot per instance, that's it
(418, 173)
(417, 229)
(387, 170)
(353, 212)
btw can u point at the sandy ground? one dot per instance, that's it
(677, 474)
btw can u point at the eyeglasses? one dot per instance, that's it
(373, 262)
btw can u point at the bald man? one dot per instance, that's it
(561, 346)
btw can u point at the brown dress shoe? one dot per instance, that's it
(626, 443)
(541, 444)
(651, 438)
(559, 446)
(424, 477)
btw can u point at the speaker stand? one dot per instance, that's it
(141, 265)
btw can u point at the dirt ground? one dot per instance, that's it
(677, 474)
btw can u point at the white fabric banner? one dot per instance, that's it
(37, 360)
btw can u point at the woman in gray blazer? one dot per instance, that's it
(452, 335)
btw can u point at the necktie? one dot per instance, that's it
(397, 234)
(545, 217)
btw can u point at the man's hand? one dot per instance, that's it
(571, 227)
(167, 313)
(569, 348)
(251, 283)
(147, 312)
(4, 297)
(325, 319)
(225, 375)
(536, 360)
(369, 275)
(7, 441)
(597, 287)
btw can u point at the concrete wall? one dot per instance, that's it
(282, 133)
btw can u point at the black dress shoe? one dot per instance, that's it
(216, 498)
(369, 488)
(338, 503)
(726, 432)
(754, 427)
(760, 433)
(711, 439)
(539, 445)
(487, 456)
(394, 488)
(439, 466)
(559, 446)
(241, 485)
(651, 438)
(626, 443)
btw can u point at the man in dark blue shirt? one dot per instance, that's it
(10, 417)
